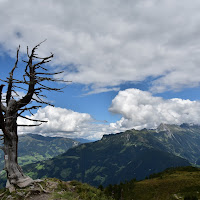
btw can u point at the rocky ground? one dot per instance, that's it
(54, 189)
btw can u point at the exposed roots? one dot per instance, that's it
(22, 183)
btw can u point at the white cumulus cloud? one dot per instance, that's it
(64, 123)
(139, 109)
(106, 43)
(60, 122)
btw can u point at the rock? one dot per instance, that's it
(25, 182)
(10, 187)
(20, 194)
(9, 197)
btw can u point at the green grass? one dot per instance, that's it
(57, 189)
(75, 190)
(181, 182)
(66, 195)
(171, 184)
(86, 192)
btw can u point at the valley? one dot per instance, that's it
(123, 156)
(33, 148)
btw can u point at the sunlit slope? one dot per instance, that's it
(171, 184)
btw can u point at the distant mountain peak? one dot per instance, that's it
(169, 129)
(173, 127)
(189, 125)
(163, 127)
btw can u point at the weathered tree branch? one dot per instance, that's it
(2, 124)
(44, 87)
(4, 81)
(33, 79)
(42, 102)
(10, 83)
(25, 109)
(49, 73)
(34, 120)
(29, 125)
(20, 88)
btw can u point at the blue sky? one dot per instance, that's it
(132, 65)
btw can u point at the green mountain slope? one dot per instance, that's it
(183, 140)
(176, 183)
(33, 148)
(115, 158)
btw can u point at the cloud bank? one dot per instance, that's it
(106, 43)
(139, 109)
(59, 121)
(62, 122)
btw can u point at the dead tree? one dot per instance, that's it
(33, 81)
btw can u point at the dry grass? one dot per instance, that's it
(169, 186)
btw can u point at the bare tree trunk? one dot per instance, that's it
(11, 109)
(15, 175)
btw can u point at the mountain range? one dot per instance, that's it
(33, 148)
(123, 156)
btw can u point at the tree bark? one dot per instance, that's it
(34, 74)
(15, 176)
